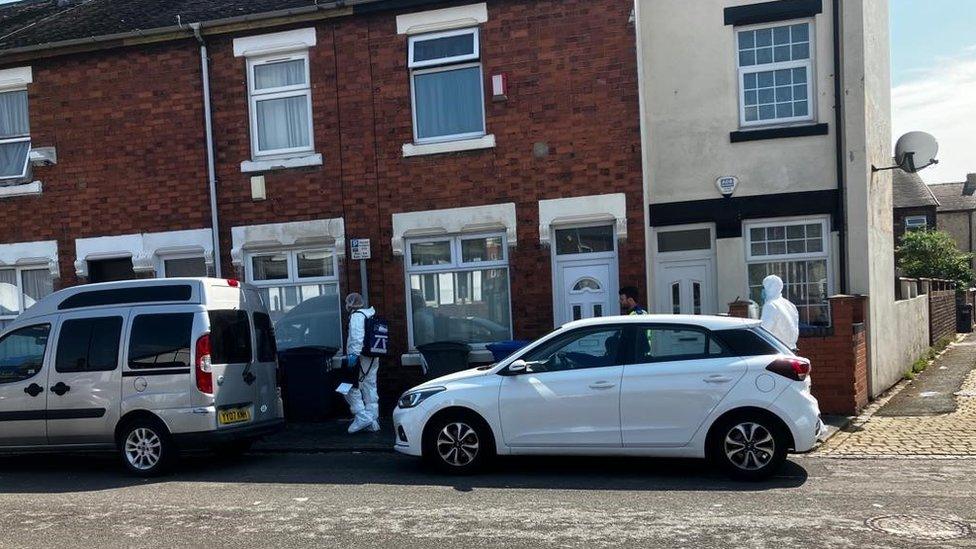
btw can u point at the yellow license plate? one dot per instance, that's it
(234, 415)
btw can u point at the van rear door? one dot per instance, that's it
(265, 368)
(231, 355)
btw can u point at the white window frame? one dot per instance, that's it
(809, 64)
(18, 269)
(297, 90)
(292, 265)
(446, 64)
(18, 139)
(911, 222)
(825, 254)
(455, 266)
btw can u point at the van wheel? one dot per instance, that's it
(458, 444)
(146, 447)
(749, 447)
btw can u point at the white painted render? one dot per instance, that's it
(473, 219)
(274, 42)
(145, 249)
(911, 316)
(690, 92)
(43, 252)
(581, 210)
(16, 77)
(442, 19)
(331, 232)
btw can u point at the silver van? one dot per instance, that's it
(146, 367)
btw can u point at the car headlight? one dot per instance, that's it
(411, 399)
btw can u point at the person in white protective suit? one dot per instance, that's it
(363, 399)
(779, 316)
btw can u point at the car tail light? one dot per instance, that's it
(204, 368)
(794, 368)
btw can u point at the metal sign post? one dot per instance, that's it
(361, 252)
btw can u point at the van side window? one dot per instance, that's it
(160, 341)
(230, 337)
(22, 353)
(264, 333)
(89, 345)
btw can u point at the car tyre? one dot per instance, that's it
(146, 447)
(458, 444)
(749, 447)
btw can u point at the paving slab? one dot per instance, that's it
(933, 392)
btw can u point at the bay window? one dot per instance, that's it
(776, 78)
(458, 289)
(798, 252)
(301, 290)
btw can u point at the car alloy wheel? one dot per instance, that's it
(749, 446)
(457, 444)
(143, 449)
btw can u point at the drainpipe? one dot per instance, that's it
(839, 138)
(211, 169)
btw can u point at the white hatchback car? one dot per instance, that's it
(653, 385)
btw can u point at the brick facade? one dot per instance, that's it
(942, 310)
(128, 127)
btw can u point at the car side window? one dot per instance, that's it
(585, 348)
(160, 341)
(665, 343)
(22, 353)
(89, 345)
(265, 336)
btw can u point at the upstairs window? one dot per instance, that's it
(15, 143)
(281, 104)
(447, 86)
(776, 79)
(914, 222)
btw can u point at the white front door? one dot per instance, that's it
(684, 287)
(585, 287)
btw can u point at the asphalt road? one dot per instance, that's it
(385, 500)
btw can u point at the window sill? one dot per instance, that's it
(779, 133)
(477, 356)
(251, 166)
(21, 190)
(412, 149)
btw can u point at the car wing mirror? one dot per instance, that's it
(518, 367)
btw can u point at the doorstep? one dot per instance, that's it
(329, 436)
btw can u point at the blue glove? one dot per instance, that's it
(352, 360)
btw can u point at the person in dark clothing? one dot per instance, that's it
(629, 301)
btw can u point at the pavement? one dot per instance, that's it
(934, 415)
(346, 499)
(330, 436)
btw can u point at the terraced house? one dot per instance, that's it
(490, 152)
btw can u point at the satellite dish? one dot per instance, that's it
(915, 151)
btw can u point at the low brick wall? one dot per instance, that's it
(942, 310)
(838, 354)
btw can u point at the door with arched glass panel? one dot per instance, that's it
(585, 268)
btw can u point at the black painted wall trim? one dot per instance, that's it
(768, 12)
(779, 133)
(729, 213)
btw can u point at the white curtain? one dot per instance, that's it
(449, 102)
(9, 294)
(37, 285)
(283, 123)
(277, 75)
(13, 114)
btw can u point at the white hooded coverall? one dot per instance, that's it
(779, 316)
(363, 400)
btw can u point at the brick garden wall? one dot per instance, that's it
(942, 311)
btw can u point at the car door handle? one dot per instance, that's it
(718, 379)
(602, 385)
(33, 389)
(60, 389)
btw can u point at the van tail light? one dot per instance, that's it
(796, 369)
(204, 368)
(233, 283)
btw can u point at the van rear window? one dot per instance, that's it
(230, 337)
(160, 341)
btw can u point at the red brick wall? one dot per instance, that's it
(942, 314)
(128, 132)
(839, 358)
(128, 126)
